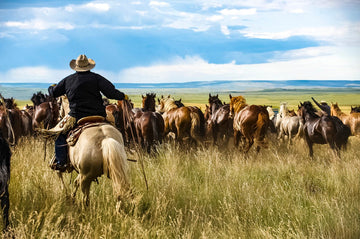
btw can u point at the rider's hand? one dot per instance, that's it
(126, 97)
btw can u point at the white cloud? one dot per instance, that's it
(238, 12)
(33, 74)
(38, 24)
(101, 7)
(158, 4)
(225, 30)
(320, 67)
(324, 63)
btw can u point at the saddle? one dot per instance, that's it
(84, 123)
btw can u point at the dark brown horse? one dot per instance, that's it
(219, 122)
(46, 111)
(250, 122)
(149, 125)
(5, 155)
(187, 123)
(355, 109)
(323, 129)
(5, 124)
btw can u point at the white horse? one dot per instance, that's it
(100, 150)
(288, 125)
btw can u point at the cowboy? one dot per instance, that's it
(83, 90)
(323, 106)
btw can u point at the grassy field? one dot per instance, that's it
(197, 193)
(200, 193)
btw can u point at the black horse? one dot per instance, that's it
(323, 129)
(5, 154)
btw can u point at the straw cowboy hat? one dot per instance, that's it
(82, 63)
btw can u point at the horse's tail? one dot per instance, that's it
(300, 132)
(115, 164)
(261, 127)
(196, 130)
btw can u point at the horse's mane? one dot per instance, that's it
(271, 112)
(283, 110)
(10, 103)
(38, 98)
(310, 109)
(169, 104)
(238, 103)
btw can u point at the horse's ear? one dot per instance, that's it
(158, 100)
(180, 100)
(168, 96)
(217, 95)
(162, 97)
(209, 95)
(230, 96)
(142, 96)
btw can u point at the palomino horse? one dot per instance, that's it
(185, 122)
(149, 125)
(5, 155)
(100, 150)
(352, 120)
(289, 124)
(46, 111)
(219, 123)
(250, 122)
(323, 129)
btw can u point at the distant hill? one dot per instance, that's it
(25, 90)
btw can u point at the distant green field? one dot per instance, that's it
(345, 99)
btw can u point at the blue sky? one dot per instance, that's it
(181, 40)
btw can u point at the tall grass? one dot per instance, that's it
(197, 193)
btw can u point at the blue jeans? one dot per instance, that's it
(61, 150)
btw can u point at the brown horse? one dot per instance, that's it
(149, 125)
(323, 129)
(187, 123)
(219, 122)
(352, 120)
(46, 111)
(250, 122)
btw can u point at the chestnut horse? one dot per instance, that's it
(219, 123)
(323, 129)
(352, 120)
(187, 123)
(149, 125)
(250, 122)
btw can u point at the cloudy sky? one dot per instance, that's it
(181, 40)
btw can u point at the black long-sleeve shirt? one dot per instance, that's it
(83, 91)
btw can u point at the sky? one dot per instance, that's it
(137, 41)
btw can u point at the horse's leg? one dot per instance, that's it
(310, 145)
(76, 184)
(85, 188)
(236, 138)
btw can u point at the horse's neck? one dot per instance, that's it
(338, 112)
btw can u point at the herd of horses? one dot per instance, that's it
(153, 123)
